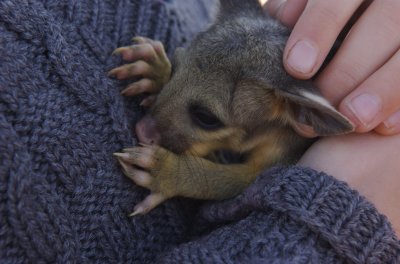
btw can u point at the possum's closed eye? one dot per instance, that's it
(204, 118)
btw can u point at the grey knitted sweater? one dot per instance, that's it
(63, 198)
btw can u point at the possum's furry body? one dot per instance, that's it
(228, 92)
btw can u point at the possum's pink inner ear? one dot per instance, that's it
(312, 115)
(304, 130)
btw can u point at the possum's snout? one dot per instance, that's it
(146, 131)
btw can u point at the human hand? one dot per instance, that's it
(362, 79)
(368, 162)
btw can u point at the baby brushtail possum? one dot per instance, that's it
(227, 93)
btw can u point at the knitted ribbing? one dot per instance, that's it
(291, 215)
(63, 198)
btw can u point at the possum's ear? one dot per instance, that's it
(312, 115)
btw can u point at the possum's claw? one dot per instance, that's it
(149, 203)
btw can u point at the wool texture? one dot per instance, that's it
(63, 197)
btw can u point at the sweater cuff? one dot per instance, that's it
(340, 215)
(326, 206)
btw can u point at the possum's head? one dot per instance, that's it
(229, 90)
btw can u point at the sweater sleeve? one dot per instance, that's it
(291, 215)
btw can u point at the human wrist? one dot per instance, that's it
(368, 163)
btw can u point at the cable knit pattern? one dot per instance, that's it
(63, 198)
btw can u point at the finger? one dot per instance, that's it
(376, 99)
(390, 126)
(149, 203)
(366, 48)
(286, 11)
(314, 35)
(139, 87)
(272, 7)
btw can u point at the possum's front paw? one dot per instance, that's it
(148, 62)
(154, 168)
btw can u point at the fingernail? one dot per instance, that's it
(393, 122)
(365, 107)
(303, 56)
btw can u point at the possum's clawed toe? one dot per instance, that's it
(140, 177)
(153, 168)
(127, 71)
(140, 87)
(147, 63)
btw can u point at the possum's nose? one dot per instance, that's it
(146, 131)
